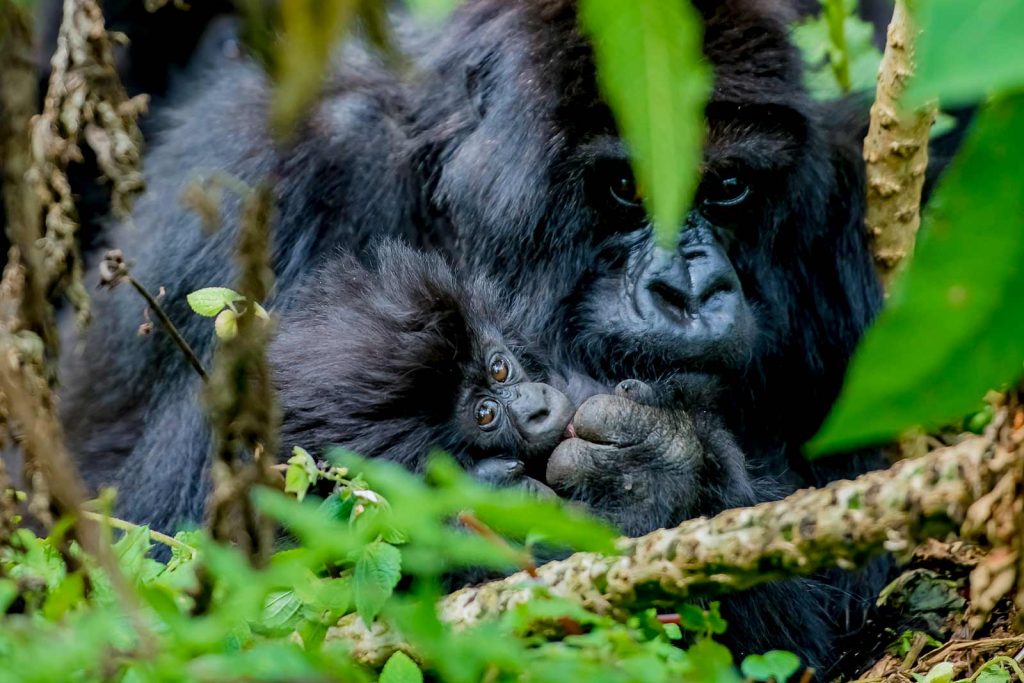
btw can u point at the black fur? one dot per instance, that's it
(391, 360)
(499, 152)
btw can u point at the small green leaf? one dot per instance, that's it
(940, 673)
(992, 29)
(777, 665)
(378, 569)
(672, 631)
(401, 669)
(210, 301)
(653, 74)
(302, 472)
(954, 325)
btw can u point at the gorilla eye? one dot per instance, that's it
(725, 192)
(624, 190)
(499, 368)
(487, 414)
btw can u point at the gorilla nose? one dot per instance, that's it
(540, 413)
(691, 284)
(694, 297)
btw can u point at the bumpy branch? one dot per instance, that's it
(896, 152)
(843, 524)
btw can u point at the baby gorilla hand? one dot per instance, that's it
(632, 461)
(508, 473)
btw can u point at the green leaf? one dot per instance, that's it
(210, 301)
(302, 472)
(378, 569)
(940, 673)
(280, 613)
(954, 325)
(776, 665)
(838, 50)
(993, 673)
(991, 29)
(401, 669)
(652, 72)
(432, 10)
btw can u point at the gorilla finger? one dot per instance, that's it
(576, 462)
(613, 420)
(536, 488)
(638, 391)
(498, 472)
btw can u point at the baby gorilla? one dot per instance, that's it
(401, 357)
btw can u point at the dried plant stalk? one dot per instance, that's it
(896, 152)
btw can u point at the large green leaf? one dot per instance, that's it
(652, 72)
(378, 569)
(954, 326)
(968, 49)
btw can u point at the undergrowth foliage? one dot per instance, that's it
(378, 544)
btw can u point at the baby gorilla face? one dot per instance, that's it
(504, 413)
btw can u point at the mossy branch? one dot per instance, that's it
(240, 395)
(844, 524)
(896, 152)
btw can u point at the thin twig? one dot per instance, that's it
(522, 559)
(114, 270)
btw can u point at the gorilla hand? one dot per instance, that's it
(631, 460)
(508, 473)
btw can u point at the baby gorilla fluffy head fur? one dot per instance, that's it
(402, 356)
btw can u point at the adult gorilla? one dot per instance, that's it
(501, 154)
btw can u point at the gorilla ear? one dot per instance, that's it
(476, 81)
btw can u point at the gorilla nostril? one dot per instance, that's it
(668, 299)
(538, 415)
(719, 287)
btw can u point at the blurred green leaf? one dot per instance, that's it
(400, 669)
(377, 572)
(653, 74)
(432, 9)
(777, 665)
(991, 34)
(954, 325)
(839, 51)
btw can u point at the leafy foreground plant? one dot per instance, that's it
(207, 615)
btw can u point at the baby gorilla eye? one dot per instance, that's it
(487, 414)
(500, 368)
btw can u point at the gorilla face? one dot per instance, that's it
(768, 275)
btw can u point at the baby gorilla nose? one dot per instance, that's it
(540, 414)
